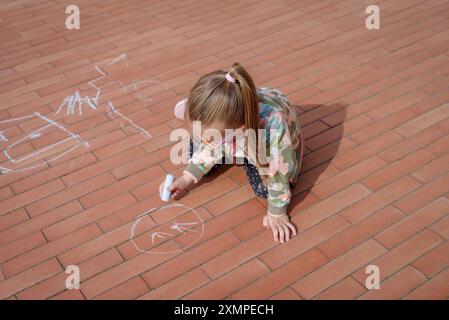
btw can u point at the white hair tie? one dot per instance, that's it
(229, 77)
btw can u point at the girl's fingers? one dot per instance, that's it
(177, 184)
(292, 227)
(265, 222)
(287, 232)
(172, 186)
(175, 194)
(275, 233)
(281, 233)
(178, 193)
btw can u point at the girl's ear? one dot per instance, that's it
(180, 109)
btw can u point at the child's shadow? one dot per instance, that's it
(323, 129)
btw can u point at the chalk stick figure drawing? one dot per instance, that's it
(166, 232)
(51, 152)
(72, 105)
(112, 111)
(75, 102)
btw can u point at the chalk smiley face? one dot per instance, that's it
(179, 228)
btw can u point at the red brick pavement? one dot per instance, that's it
(374, 188)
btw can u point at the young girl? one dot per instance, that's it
(229, 100)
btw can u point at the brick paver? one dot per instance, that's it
(373, 189)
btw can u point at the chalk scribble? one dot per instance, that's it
(72, 105)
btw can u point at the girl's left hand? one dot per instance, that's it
(281, 226)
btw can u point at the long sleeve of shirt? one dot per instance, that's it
(283, 161)
(204, 157)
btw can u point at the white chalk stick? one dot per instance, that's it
(165, 193)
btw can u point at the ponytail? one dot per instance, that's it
(246, 92)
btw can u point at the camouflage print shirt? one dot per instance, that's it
(284, 144)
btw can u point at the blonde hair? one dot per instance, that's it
(215, 99)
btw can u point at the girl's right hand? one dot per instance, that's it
(178, 188)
